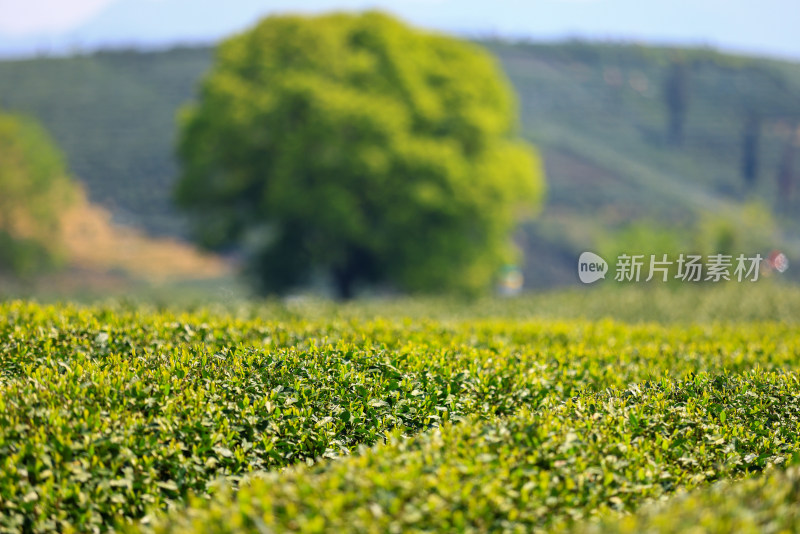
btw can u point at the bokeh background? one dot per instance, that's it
(664, 127)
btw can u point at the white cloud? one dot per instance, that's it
(21, 17)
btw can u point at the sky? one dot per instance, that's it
(762, 27)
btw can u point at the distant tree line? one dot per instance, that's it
(759, 95)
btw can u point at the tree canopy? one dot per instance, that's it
(357, 147)
(34, 190)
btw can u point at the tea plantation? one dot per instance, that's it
(473, 418)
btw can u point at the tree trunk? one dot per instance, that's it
(676, 98)
(750, 141)
(344, 281)
(786, 170)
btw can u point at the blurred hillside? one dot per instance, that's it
(94, 242)
(600, 113)
(102, 258)
(671, 137)
(113, 115)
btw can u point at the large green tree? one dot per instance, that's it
(356, 146)
(34, 190)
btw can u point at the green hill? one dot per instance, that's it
(113, 114)
(599, 112)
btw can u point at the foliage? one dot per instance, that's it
(24, 257)
(766, 504)
(589, 454)
(111, 413)
(355, 145)
(34, 191)
(642, 238)
(746, 230)
(766, 300)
